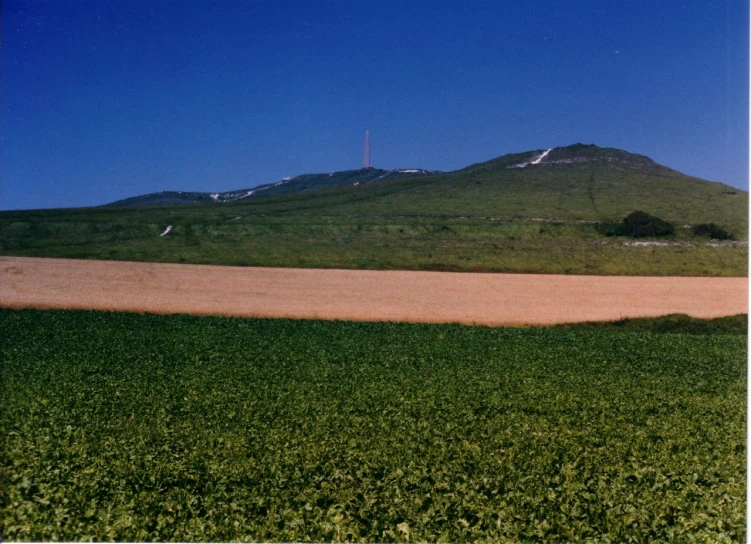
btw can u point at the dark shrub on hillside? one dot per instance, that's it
(711, 230)
(607, 228)
(637, 224)
(640, 224)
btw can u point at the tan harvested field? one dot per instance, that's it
(489, 299)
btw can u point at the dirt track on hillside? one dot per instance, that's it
(490, 299)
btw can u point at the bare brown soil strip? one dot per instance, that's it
(489, 299)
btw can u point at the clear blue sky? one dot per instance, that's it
(103, 100)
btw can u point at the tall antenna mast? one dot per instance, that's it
(367, 149)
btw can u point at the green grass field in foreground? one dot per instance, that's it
(143, 427)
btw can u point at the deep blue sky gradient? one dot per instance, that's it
(102, 100)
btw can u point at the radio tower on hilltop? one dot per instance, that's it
(367, 149)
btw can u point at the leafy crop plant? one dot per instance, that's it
(175, 428)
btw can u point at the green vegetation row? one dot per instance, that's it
(177, 428)
(673, 323)
(639, 224)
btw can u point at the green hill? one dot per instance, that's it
(534, 212)
(299, 184)
(575, 183)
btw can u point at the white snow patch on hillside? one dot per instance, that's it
(537, 160)
(244, 195)
(544, 154)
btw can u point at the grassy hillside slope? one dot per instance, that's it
(594, 190)
(486, 217)
(299, 184)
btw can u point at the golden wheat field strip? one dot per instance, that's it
(488, 299)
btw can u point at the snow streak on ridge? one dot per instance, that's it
(537, 160)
